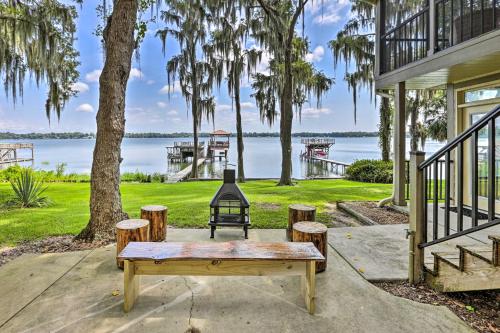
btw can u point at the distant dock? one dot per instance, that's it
(184, 173)
(318, 150)
(336, 166)
(9, 154)
(181, 151)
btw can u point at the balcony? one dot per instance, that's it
(437, 26)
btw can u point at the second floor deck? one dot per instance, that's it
(454, 32)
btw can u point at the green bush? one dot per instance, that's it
(59, 175)
(370, 171)
(28, 190)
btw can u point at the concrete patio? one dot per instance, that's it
(73, 292)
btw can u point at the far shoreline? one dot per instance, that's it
(79, 135)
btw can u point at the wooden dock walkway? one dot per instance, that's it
(9, 154)
(339, 167)
(184, 173)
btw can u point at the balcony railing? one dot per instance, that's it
(454, 22)
(406, 43)
(460, 20)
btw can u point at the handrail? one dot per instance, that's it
(465, 135)
(405, 22)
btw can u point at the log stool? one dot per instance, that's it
(130, 231)
(317, 234)
(297, 213)
(157, 217)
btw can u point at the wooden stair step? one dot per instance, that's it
(482, 252)
(451, 258)
(429, 267)
(495, 238)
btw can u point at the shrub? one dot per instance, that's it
(60, 168)
(28, 190)
(12, 172)
(370, 171)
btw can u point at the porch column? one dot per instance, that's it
(417, 218)
(399, 177)
(452, 133)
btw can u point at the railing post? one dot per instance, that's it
(432, 27)
(417, 218)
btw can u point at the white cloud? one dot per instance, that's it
(150, 82)
(85, 107)
(168, 89)
(135, 109)
(316, 55)
(161, 105)
(135, 73)
(314, 112)
(173, 113)
(327, 11)
(93, 76)
(263, 65)
(80, 87)
(247, 105)
(223, 107)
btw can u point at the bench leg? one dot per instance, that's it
(131, 285)
(309, 286)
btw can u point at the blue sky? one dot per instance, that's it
(149, 109)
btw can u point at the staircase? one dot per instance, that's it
(440, 219)
(468, 268)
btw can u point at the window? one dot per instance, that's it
(482, 94)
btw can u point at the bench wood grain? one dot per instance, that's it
(237, 258)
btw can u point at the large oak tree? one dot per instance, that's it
(277, 34)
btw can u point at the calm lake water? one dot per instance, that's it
(262, 156)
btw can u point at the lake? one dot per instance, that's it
(262, 156)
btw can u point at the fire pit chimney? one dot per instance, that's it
(229, 207)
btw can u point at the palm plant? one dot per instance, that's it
(37, 37)
(276, 33)
(227, 49)
(187, 22)
(28, 190)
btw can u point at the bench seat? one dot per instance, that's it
(236, 258)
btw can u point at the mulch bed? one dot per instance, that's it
(479, 309)
(54, 244)
(379, 215)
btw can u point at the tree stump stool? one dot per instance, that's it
(317, 234)
(157, 217)
(298, 213)
(130, 231)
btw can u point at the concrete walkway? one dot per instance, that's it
(73, 292)
(380, 253)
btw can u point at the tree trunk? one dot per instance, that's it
(239, 131)
(286, 120)
(194, 166)
(194, 113)
(385, 128)
(105, 198)
(315, 233)
(299, 213)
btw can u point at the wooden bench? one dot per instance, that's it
(237, 258)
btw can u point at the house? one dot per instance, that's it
(452, 45)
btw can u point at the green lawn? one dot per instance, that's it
(187, 203)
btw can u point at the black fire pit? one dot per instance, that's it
(229, 207)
